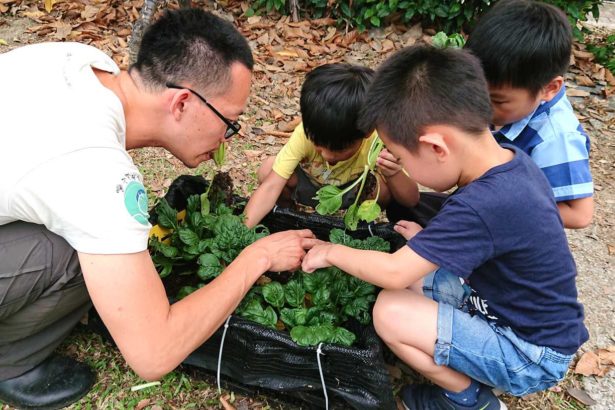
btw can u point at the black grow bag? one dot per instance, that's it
(258, 357)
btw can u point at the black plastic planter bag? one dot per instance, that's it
(254, 356)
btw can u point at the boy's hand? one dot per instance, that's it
(316, 257)
(387, 163)
(407, 229)
(285, 250)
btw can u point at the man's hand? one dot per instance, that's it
(316, 258)
(387, 164)
(407, 229)
(285, 250)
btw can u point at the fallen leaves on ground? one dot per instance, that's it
(596, 363)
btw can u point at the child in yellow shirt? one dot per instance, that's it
(328, 148)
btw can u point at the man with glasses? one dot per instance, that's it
(73, 209)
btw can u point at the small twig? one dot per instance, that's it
(279, 134)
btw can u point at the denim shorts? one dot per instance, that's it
(488, 353)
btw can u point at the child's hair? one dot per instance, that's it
(421, 86)
(522, 43)
(331, 98)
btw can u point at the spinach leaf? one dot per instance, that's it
(274, 294)
(210, 266)
(294, 293)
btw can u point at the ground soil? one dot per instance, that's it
(593, 247)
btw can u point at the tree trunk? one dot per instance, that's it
(145, 16)
(294, 9)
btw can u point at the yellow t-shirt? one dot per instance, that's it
(300, 151)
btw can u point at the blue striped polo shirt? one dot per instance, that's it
(555, 140)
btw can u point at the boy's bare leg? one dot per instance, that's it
(407, 322)
(265, 169)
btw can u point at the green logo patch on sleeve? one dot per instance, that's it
(135, 199)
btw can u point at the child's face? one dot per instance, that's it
(423, 166)
(333, 157)
(512, 104)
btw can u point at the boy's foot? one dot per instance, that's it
(426, 397)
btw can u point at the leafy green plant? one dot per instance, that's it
(330, 197)
(450, 16)
(210, 239)
(605, 52)
(220, 154)
(442, 40)
(312, 307)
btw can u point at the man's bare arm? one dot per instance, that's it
(153, 336)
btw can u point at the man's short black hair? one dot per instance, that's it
(331, 98)
(191, 46)
(522, 43)
(421, 86)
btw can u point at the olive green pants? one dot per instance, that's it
(42, 295)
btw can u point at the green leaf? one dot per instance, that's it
(205, 205)
(346, 10)
(329, 198)
(249, 12)
(343, 337)
(210, 266)
(317, 316)
(185, 291)
(369, 210)
(270, 318)
(220, 154)
(274, 294)
(312, 335)
(188, 237)
(294, 293)
(294, 317)
(166, 270)
(168, 251)
(167, 216)
(374, 151)
(439, 40)
(375, 20)
(351, 218)
(321, 297)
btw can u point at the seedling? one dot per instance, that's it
(330, 197)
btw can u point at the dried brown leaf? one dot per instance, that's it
(583, 55)
(588, 364)
(609, 77)
(143, 404)
(611, 249)
(573, 92)
(581, 396)
(584, 80)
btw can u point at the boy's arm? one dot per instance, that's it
(576, 213)
(264, 198)
(389, 271)
(403, 189)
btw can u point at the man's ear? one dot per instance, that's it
(435, 144)
(177, 104)
(550, 90)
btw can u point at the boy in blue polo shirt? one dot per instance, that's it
(484, 296)
(524, 47)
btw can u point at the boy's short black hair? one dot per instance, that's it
(421, 86)
(331, 98)
(191, 46)
(522, 43)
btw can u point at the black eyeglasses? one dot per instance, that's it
(232, 127)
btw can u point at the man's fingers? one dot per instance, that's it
(309, 243)
(305, 233)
